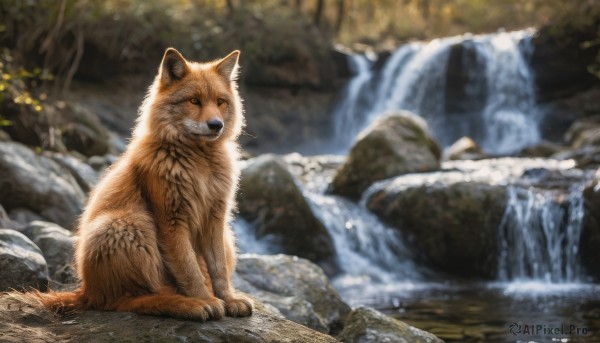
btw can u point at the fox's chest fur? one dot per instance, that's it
(189, 187)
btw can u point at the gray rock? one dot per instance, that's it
(451, 217)
(8, 222)
(85, 175)
(100, 163)
(273, 203)
(395, 144)
(464, 149)
(21, 262)
(296, 287)
(83, 131)
(20, 321)
(55, 242)
(24, 215)
(39, 184)
(575, 135)
(541, 149)
(365, 325)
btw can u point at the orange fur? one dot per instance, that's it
(155, 237)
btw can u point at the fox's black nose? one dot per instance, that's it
(215, 125)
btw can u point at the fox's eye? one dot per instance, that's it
(195, 101)
(220, 102)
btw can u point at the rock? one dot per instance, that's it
(573, 136)
(341, 56)
(559, 115)
(83, 131)
(464, 69)
(590, 137)
(451, 217)
(21, 262)
(271, 201)
(24, 216)
(586, 157)
(85, 175)
(542, 149)
(21, 321)
(100, 163)
(590, 237)
(39, 184)
(396, 143)
(284, 119)
(464, 149)
(296, 287)
(451, 220)
(8, 222)
(55, 242)
(560, 65)
(365, 325)
(307, 65)
(4, 137)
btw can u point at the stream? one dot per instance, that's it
(541, 292)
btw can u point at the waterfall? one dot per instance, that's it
(540, 235)
(366, 249)
(348, 111)
(477, 86)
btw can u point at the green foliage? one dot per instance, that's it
(19, 87)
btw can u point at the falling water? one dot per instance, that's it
(540, 235)
(351, 102)
(477, 86)
(367, 250)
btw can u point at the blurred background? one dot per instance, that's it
(438, 159)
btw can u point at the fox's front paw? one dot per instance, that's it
(215, 307)
(238, 306)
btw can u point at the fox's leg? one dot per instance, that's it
(121, 267)
(219, 254)
(165, 303)
(181, 260)
(117, 254)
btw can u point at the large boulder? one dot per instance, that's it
(366, 325)
(273, 203)
(451, 221)
(396, 143)
(453, 218)
(21, 262)
(38, 183)
(560, 64)
(22, 321)
(296, 287)
(56, 243)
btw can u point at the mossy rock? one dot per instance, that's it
(272, 201)
(395, 144)
(452, 223)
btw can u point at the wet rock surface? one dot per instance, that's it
(297, 288)
(366, 325)
(272, 202)
(394, 144)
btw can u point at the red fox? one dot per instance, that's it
(154, 237)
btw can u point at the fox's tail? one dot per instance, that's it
(163, 303)
(60, 302)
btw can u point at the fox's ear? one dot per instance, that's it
(173, 66)
(228, 65)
